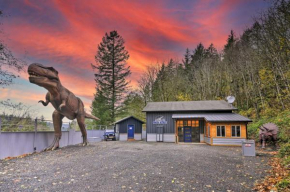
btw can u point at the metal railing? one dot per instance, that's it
(28, 125)
(8, 124)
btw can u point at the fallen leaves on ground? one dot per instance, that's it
(277, 174)
(17, 157)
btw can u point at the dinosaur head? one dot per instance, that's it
(43, 76)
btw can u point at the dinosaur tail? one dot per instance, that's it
(89, 116)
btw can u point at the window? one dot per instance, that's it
(195, 123)
(236, 131)
(179, 123)
(221, 131)
(190, 123)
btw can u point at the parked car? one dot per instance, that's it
(110, 135)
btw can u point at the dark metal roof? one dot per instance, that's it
(128, 118)
(214, 105)
(214, 117)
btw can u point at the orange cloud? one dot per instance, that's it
(65, 34)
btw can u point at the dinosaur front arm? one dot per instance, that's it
(47, 99)
(44, 103)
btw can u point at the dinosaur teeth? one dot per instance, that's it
(32, 74)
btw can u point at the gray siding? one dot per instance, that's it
(226, 141)
(207, 140)
(169, 127)
(131, 121)
(150, 117)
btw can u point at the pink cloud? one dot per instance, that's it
(153, 31)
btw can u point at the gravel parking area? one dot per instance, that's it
(134, 166)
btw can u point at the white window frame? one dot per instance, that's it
(221, 130)
(236, 130)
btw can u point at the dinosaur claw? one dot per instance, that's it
(85, 141)
(47, 149)
(54, 145)
(54, 148)
(61, 106)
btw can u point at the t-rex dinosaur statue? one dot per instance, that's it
(66, 104)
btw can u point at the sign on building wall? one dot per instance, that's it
(160, 120)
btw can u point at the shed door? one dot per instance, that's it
(159, 134)
(131, 131)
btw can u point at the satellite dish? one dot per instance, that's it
(230, 99)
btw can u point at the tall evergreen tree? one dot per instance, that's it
(230, 41)
(100, 107)
(111, 75)
(198, 55)
(186, 59)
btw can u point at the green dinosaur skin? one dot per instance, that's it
(65, 103)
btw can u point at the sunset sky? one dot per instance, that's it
(65, 34)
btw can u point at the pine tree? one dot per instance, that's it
(230, 41)
(198, 54)
(101, 108)
(133, 105)
(186, 59)
(111, 74)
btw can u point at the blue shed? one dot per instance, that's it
(129, 128)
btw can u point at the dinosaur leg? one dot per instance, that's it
(263, 141)
(57, 123)
(274, 139)
(81, 122)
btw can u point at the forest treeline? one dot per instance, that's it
(253, 67)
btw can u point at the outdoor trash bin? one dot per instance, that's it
(248, 148)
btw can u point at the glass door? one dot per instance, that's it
(159, 134)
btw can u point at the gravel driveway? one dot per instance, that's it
(134, 166)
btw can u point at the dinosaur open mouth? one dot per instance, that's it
(32, 74)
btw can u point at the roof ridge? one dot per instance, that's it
(125, 118)
(203, 105)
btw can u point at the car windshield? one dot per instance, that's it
(109, 133)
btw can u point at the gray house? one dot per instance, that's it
(129, 128)
(211, 122)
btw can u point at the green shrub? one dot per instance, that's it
(253, 129)
(286, 161)
(284, 150)
(284, 184)
(282, 120)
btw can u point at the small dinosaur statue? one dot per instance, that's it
(66, 104)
